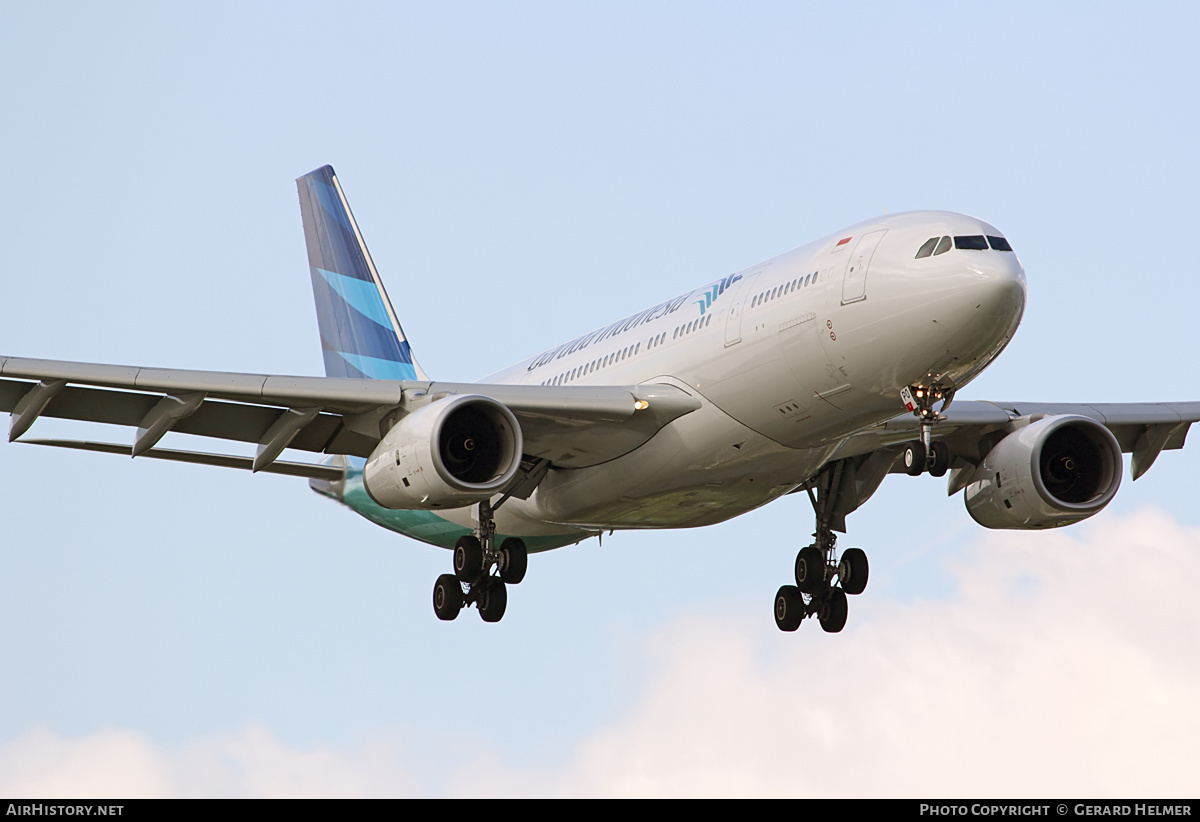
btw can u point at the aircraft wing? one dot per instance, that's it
(971, 428)
(565, 425)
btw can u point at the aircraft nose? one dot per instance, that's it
(994, 288)
(985, 306)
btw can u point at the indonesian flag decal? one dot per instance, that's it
(841, 243)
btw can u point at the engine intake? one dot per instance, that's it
(453, 452)
(1053, 472)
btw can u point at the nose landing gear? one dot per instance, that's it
(924, 454)
(473, 583)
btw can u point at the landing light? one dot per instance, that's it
(641, 405)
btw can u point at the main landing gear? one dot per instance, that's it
(475, 558)
(817, 566)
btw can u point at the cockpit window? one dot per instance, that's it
(943, 246)
(999, 243)
(971, 242)
(927, 249)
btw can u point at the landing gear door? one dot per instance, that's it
(733, 323)
(854, 285)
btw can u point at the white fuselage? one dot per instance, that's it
(788, 358)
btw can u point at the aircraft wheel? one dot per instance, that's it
(914, 458)
(447, 597)
(493, 600)
(789, 608)
(833, 612)
(940, 459)
(810, 569)
(853, 571)
(468, 558)
(514, 560)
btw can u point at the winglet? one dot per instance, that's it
(360, 335)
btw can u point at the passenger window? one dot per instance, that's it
(972, 242)
(999, 243)
(927, 249)
(943, 246)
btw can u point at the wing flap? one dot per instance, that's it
(291, 469)
(239, 422)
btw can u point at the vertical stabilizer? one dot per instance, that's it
(360, 335)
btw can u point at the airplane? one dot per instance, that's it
(818, 371)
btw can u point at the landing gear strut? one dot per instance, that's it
(817, 567)
(924, 454)
(475, 558)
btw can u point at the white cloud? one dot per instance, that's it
(1064, 664)
(115, 763)
(124, 764)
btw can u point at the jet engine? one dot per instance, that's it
(1053, 472)
(453, 452)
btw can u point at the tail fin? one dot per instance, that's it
(360, 335)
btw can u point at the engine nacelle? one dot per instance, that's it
(453, 452)
(1053, 472)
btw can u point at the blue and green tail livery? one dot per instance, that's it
(360, 335)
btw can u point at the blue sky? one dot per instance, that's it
(523, 173)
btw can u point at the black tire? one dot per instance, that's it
(833, 611)
(468, 559)
(789, 608)
(939, 462)
(514, 560)
(914, 458)
(810, 570)
(447, 597)
(493, 599)
(853, 571)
